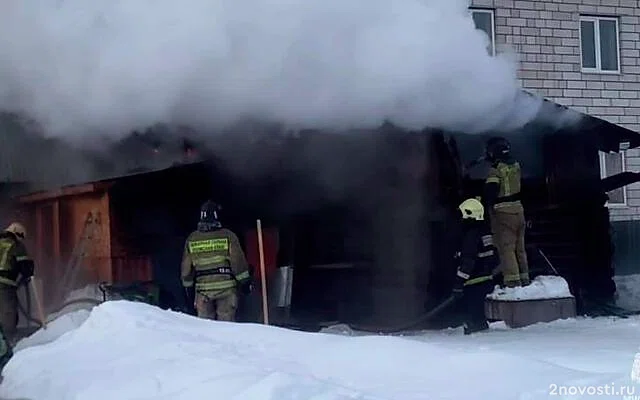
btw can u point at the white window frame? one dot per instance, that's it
(596, 30)
(491, 12)
(603, 174)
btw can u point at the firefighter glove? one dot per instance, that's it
(246, 287)
(26, 268)
(458, 286)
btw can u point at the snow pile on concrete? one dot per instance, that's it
(542, 287)
(127, 350)
(628, 291)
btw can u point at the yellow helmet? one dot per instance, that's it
(17, 229)
(472, 209)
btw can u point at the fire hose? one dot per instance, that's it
(413, 323)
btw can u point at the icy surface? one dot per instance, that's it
(542, 287)
(127, 350)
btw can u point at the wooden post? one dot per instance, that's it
(263, 277)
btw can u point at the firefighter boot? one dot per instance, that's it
(475, 327)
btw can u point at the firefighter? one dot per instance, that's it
(505, 211)
(14, 262)
(477, 258)
(214, 267)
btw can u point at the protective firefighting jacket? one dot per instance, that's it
(502, 186)
(14, 260)
(213, 261)
(477, 257)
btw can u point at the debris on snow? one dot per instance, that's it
(542, 287)
(338, 329)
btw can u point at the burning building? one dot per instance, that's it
(366, 218)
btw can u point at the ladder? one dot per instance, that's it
(80, 251)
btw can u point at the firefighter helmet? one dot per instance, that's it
(209, 213)
(472, 209)
(17, 229)
(497, 148)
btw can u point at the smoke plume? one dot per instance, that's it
(80, 66)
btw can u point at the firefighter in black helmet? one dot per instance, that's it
(505, 211)
(214, 267)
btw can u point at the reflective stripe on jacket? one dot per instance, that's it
(478, 256)
(508, 177)
(213, 260)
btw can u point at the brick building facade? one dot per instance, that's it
(584, 54)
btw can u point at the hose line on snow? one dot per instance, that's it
(410, 324)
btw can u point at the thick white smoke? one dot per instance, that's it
(86, 65)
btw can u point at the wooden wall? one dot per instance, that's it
(56, 225)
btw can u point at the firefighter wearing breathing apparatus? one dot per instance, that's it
(505, 211)
(214, 267)
(477, 258)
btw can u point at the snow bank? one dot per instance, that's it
(542, 287)
(54, 330)
(69, 317)
(127, 350)
(628, 291)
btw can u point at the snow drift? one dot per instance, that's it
(79, 65)
(130, 350)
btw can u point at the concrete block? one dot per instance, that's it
(568, 8)
(629, 3)
(583, 8)
(628, 94)
(610, 94)
(519, 313)
(606, 10)
(617, 102)
(516, 22)
(562, 33)
(529, 14)
(504, 3)
(546, 299)
(482, 3)
(527, 5)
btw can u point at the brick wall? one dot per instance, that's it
(545, 33)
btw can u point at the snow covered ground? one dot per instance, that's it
(126, 350)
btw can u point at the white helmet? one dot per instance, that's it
(472, 209)
(17, 229)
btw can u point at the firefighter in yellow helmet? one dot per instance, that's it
(214, 267)
(14, 262)
(477, 258)
(505, 211)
